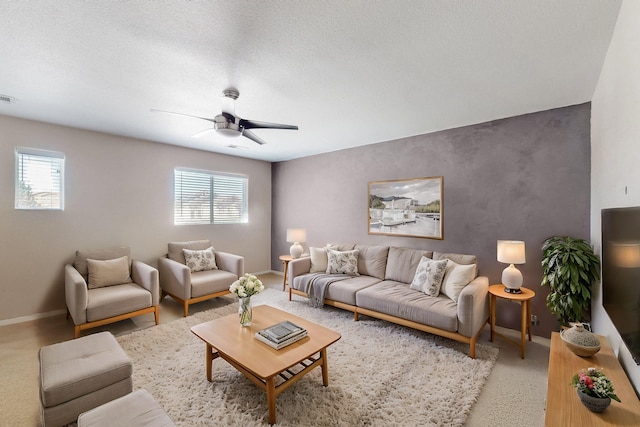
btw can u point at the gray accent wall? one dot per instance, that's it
(119, 192)
(521, 178)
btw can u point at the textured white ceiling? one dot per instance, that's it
(348, 73)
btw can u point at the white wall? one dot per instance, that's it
(615, 151)
(119, 192)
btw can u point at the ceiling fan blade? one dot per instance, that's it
(253, 124)
(204, 132)
(181, 114)
(252, 136)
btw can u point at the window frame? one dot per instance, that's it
(54, 159)
(210, 208)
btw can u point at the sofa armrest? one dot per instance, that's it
(473, 307)
(76, 294)
(175, 278)
(298, 267)
(147, 277)
(230, 262)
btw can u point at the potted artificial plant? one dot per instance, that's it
(569, 268)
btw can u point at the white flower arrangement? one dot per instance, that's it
(246, 286)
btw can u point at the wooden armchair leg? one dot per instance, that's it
(157, 314)
(77, 332)
(186, 309)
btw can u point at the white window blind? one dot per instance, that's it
(39, 179)
(209, 198)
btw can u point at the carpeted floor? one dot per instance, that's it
(379, 374)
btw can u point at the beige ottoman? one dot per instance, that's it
(135, 409)
(79, 375)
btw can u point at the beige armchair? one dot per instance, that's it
(199, 280)
(106, 286)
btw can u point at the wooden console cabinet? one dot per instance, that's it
(563, 407)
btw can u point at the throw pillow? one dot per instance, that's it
(108, 272)
(200, 260)
(345, 262)
(318, 260)
(429, 275)
(456, 277)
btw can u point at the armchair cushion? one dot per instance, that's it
(115, 300)
(176, 253)
(108, 272)
(80, 262)
(200, 260)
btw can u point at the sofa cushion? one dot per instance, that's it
(456, 277)
(175, 249)
(342, 262)
(80, 262)
(318, 260)
(344, 291)
(372, 260)
(403, 262)
(459, 258)
(429, 275)
(108, 272)
(397, 299)
(200, 260)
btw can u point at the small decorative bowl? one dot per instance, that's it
(580, 341)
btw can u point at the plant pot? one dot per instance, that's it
(594, 404)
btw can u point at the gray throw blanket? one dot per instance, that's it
(316, 284)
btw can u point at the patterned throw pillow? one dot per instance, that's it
(429, 275)
(345, 262)
(200, 260)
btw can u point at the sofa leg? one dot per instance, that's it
(77, 332)
(472, 348)
(157, 314)
(355, 316)
(289, 294)
(186, 309)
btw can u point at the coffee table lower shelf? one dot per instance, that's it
(268, 385)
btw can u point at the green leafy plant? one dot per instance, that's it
(569, 268)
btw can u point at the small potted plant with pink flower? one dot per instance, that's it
(594, 389)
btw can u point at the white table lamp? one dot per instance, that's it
(296, 235)
(511, 252)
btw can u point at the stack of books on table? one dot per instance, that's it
(281, 334)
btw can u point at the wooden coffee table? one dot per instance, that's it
(226, 338)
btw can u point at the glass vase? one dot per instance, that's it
(245, 311)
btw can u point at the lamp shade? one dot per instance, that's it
(296, 235)
(511, 251)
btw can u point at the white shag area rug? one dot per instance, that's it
(380, 374)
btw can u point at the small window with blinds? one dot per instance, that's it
(209, 198)
(39, 179)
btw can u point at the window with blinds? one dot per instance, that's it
(209, 198)
(39, 179)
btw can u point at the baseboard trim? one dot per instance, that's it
(30, 317)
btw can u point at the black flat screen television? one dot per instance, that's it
(621, 273)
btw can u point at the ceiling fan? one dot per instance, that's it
(227, 123)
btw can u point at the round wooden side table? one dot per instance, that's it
(524, 298)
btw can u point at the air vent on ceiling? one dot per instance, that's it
(8, 99)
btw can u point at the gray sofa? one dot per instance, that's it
(382, 289)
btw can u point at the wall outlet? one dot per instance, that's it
(534, 320)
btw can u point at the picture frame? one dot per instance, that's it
(407, 207)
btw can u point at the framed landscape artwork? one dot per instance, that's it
(409, 207)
